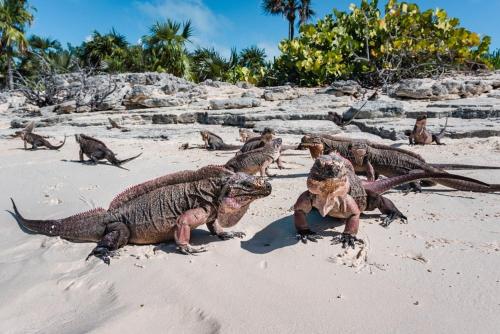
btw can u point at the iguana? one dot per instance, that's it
(334, 190)
(36, 140)
(114, 125)
(246, 134)
(341, 121)
(266, 137)
(96, 150)
(214, 142)
(376, 159)
(257, 160)
(421, 136)
(166, 208)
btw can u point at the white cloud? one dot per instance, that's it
(272, 49)
(89, 38)
(205, 22)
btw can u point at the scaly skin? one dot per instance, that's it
(213, 142)
(257, 160)
(96, 150)
(37, 141)
(421, 136)
(267, 136)
(162, 209)
(334, 190)
(246, 134)
(373, 159)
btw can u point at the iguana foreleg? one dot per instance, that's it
(301, 208)
(184, 224)
(116, 236)
(216, 229)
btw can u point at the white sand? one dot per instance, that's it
(438, 274)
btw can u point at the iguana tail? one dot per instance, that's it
(459, 182)
(228, 147)
(462, 167)
(86, 226)
(55, 147)
(124, 161)
(440, 135)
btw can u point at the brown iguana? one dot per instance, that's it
(421, 136)
(336, 191)
(376, 159)
(257, 160)
(214, 142)
(162, 209)
(246, 134)
(36, 140)
(114, 125)
(96, 150)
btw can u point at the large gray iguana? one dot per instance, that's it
(162, 209)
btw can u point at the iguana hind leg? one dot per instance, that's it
(386, 206)
(116, 236)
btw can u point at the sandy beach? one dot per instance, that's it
(439, 273)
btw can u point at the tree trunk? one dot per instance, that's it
(291, 29)
(10, 72)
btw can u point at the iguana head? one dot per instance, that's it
(358, 150)
(328, 175)
(239, 191)
(314, 144)
(420, 124)
(267, 134)
(204, 135)
(78, 138)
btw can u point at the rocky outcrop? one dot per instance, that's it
(344, 87)
(279, 93)
(450, 88)
(375, 109)
(236, 103)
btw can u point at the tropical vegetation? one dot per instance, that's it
(365, 43)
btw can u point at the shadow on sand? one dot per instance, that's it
(281, 233)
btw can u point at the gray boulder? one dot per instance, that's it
(375, 109)
(236, 103)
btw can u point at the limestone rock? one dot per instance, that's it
(236, 103)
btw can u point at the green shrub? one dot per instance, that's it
(493, 59)
(362, 44)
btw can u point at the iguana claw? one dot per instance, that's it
(392, 217)
(230, 235)
(102, 253)
(190, 250)
(347, 240)
(307, 234)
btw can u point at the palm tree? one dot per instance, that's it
(252, 57)
(165, 47)
(44, 45)
(101, 47)
(14, 16)
(289, 9)
(208, 64)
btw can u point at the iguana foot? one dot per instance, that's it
(307, 234)
(102, 253)
(347, 240)
(392, 217)
(230, 235)
(190, 250)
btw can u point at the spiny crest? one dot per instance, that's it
(85, 214)
(91, 139)
(166, 180)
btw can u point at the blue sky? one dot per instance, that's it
(218, 23)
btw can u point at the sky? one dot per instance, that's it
(221, 24)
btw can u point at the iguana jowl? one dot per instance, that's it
(162, 209)
(96, 150)
(334, 190)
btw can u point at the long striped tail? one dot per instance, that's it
(459, 182)
(462, 167)
(86, 226)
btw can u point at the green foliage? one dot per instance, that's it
(363, 44)
(493, 59)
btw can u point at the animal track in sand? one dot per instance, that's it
(356, 258)
(263, 264)
(484, 247)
